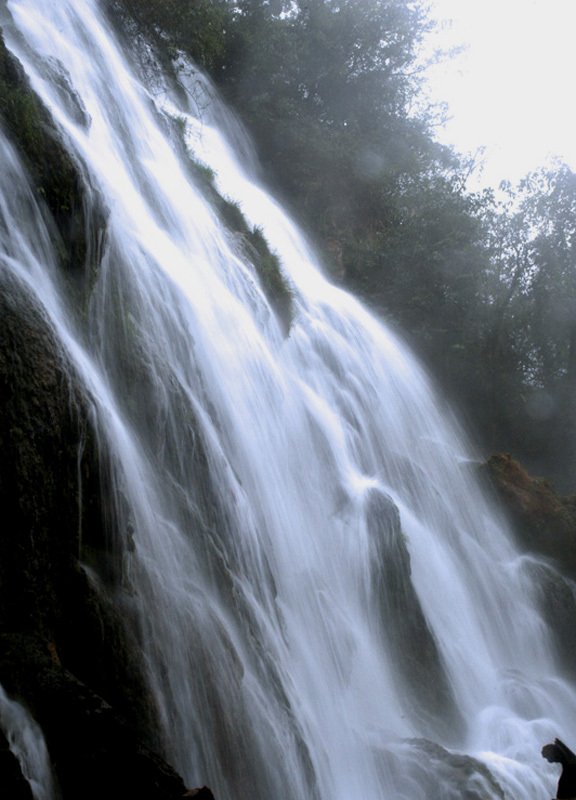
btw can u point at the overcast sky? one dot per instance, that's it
(513, 90)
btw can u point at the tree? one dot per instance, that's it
(195, 27)
(529, 355)
(325, 88)
(538, 272)
(549, 208)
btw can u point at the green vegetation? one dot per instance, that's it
(196, 27)
(274, 283)
(529, 310)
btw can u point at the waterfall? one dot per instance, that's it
(27, 743)
(326, 604)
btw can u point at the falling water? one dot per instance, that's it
(327, 605)
(27, 743)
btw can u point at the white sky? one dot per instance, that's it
(514, 89)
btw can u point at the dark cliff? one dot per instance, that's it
(65, 653)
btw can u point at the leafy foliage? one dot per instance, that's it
(326, 91)
(530, 345)
(196, 27)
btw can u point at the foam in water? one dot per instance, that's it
(328, 606)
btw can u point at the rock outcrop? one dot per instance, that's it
(415, 656)
(543, 520)
(544, 523)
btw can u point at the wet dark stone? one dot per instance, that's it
(451, 776)
(416, 657)
(63, 646)
(91, 746)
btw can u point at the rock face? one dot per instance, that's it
(544, 521)
(558, 753)
(94, 751)
(65, 652)
(62, 649)
(415, 655)
(448, 775)
(545, 525)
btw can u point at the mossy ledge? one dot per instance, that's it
(267, 265)
(155, 48)
(252, 242)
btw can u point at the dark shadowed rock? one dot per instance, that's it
(544, 524)
(63, 646)
(52, 498)
(558, 753)
(95, 752)
(54, 174)
(557, 600)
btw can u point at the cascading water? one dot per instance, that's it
(327, 607)
(27, 743)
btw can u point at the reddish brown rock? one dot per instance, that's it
(543, 520)
(544, 523)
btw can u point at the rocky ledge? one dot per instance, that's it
(544, 523)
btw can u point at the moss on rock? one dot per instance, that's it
(273, 281)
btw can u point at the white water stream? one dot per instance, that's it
(26, 741)
(269, 489)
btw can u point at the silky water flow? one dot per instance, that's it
(328, 606)
(26, 741)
